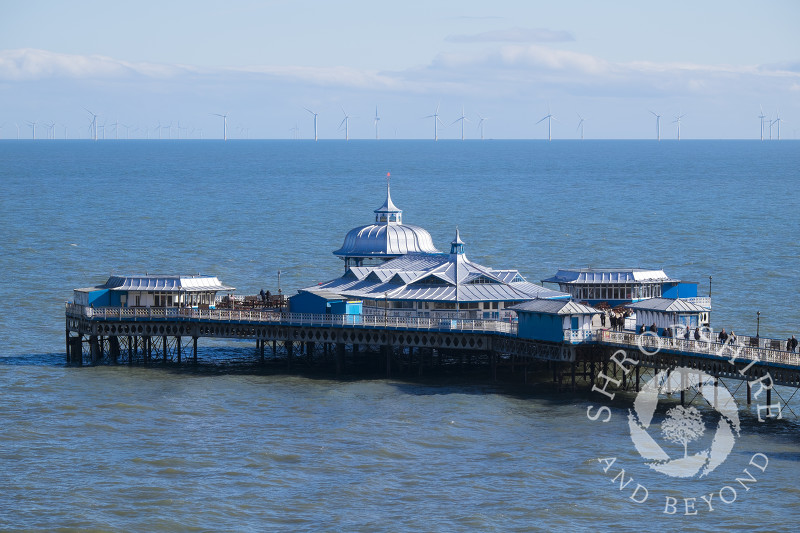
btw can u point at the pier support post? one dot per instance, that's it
(749, 400)
(113, 349)
(572, 371)
(149, 342)
(77, 350)
(94, 348)
(388, 351)
(274, 348)
(683, 384)
(194, 350)
(178, 347)
(261, 350)
(769, 397)
(637, 378)
(130, 349)
(69, 357)
(164, 352)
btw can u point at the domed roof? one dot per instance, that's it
(386, 240)
(388, 237)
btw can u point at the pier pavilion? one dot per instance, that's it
(153, 291)
(620, 286)
(435, 285)
(669, 313)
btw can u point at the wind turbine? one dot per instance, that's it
(580, 124)
(93, 125)
(677, 120)
(462, 118)
(436, 121)
(52, 127)
(549, 117)
(778, 121)
(762, 116)
(224, 125)
(346, 122)
(17, 125)
(114, 125)
(658, 125)
(33, 126)
(377, 119)
(315, 121)
(480, 124)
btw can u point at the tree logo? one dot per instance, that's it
(683, 425)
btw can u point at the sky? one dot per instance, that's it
(167, 67)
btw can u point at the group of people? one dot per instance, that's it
(791, 344)
(616, 319)
(688, 333)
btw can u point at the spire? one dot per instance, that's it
(457, 245)
(388, 213)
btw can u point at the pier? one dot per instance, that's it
(410, 345)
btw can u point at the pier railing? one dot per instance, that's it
(727, 350)
(294, 319)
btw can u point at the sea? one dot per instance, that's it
(118, 448)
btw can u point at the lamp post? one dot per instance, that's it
(280, 298)
(758, 323)
(385, 309)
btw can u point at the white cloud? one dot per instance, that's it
(514, 35)
(498, 70)
(30, 64)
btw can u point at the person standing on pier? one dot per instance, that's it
(791, 344)
(723, 337)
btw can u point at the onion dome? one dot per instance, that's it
(386, 239)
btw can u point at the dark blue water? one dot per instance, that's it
(142, 449)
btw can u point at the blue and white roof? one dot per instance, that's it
(165, 284)
(556, 307)
(609, 276)
(667, 305)
(388, 237)
(436, 277)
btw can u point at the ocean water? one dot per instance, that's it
(164, 450)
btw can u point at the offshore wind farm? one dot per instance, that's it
(463, 132)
